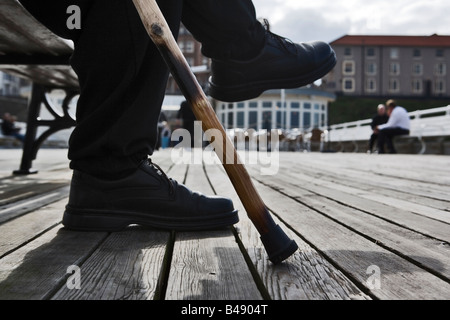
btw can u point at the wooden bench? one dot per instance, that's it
(29, 50)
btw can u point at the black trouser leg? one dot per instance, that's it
(122, 76)
(122, 81)
(386, 136)
(226, 28)
(373, 139)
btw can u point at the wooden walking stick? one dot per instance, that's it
(277, 244)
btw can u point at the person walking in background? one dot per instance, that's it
(397, 125)
(9, 127)
(187, 118)
(380, 118)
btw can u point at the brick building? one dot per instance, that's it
(395, 66)
(200, 64)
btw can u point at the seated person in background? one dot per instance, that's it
(380, 118)
(9, 128)
(397, 125)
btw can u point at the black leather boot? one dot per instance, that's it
(147, 197)
(280, 64)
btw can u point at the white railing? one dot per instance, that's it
(424, 123)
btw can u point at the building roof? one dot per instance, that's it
(305, 91)
(399, 41)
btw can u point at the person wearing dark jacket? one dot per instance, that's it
(380, 118)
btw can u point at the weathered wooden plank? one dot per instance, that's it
(24, 34)
(18, 232)
(303, 187)
(49, 75)
(22, 194)
(126, 266)
(304, 276)
(15, 188)
(356, 188)
(429, 194)
(19, 208)
(424, 251)
(354, 253)
(38, 269)
(208, 265)
(392, 175)
(395, 188)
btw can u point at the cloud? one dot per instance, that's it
(328, 20)
(308, 25)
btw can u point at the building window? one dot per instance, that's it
(240, 120)
(371, 68)
(371, 52)
(230, 120)
(417, 69)
(440, 53)
(253, 120)
(295, 119)
(183, 30)
(416, 86)
(441, 69)
(394, 85)
(316, 120)
(348, 85)
(348, 52)
(306, 120)
(440, 86)
(394, 69)
(267, 104)
(417, 53)
(189, 47)
(394, 53)
(281, 119)
(348, 68)
(267, 120)
(371, 85)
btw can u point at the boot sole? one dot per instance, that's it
(112, 221)
(253, 90)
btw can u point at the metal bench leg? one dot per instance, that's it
(32, 143)
(29, 149)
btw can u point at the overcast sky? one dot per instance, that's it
(327, 20)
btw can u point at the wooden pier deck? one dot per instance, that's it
(368, 227)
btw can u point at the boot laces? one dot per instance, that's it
(162, 174)
(283, 42)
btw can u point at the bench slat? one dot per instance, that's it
(21, 33)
